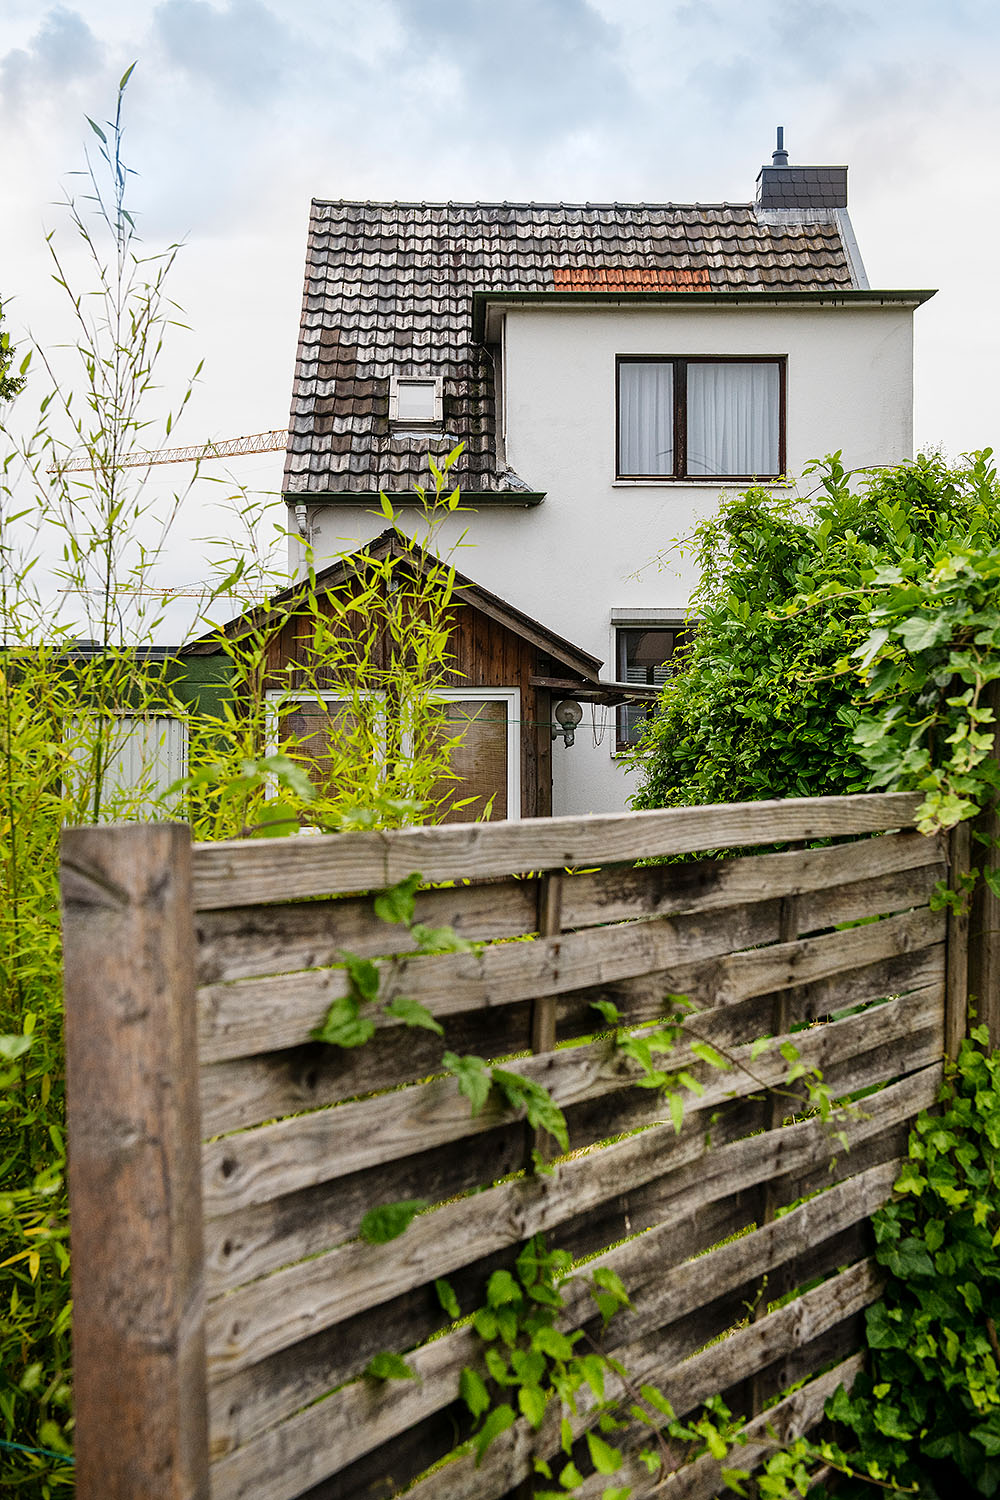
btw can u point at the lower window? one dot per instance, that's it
(327, 728)
(643, 655)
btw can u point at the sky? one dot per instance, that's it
(239, 111)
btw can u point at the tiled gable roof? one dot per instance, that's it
(389, 288)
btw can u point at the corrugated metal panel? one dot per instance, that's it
(146, 755)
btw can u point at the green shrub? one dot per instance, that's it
(766, 701)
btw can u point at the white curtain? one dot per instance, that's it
(645, 418)
(732, 418)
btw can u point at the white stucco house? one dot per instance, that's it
(612, 369)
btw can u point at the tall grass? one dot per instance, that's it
(379, 642)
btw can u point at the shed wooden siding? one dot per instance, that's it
(485, 654)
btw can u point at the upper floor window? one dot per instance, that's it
(414, 403)
(701, 418)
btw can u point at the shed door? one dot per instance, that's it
(487, 761)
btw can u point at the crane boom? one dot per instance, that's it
(257, 442)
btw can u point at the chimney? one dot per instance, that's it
(784, 187)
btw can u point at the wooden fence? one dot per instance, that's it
(221, 1161)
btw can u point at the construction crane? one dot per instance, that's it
(257, 442)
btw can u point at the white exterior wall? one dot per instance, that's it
(595, 544)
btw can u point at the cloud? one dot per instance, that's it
(62, 50)
(526, 66)
(242, 52)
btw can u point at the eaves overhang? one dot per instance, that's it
(488, 306)
(471, 499)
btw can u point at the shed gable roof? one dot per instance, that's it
(389, 291)
(392, 543)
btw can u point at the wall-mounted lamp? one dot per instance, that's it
(568, 715)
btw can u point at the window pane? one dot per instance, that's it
(645, 417)
(415, 400)
(479, 761)
(322, 734)
(732, 418)
(643, 658)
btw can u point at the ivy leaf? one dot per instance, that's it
(541, 1109)
(363, 974)
(448, 1300)
(553, 1343)
(380, 1225)
(472, 1076)
(497, 1421)
(472, 1389)
(532, 1401)
(390, 1367)
(608, 1009)
(440, 940)
(502, 1288)
(397, 903)
(605, 1458)
(658, 1401)
(412, 1013)
(709, 1055)
(344, 1025)
(570, 1476)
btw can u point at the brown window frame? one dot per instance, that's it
(680, 363)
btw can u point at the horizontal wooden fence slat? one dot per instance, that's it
(726, 982)
(684, 1386)
(249, 1401)
(263, 1163)
(621, 894)
(246, 871)
(292, 1304)
(251, 1242)
(239, 1020)
(779, 1426)
(366, 1414)
(246, 942)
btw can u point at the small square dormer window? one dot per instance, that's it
(414, 402)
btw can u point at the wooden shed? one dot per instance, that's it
(507, 671)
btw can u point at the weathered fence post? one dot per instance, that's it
(135, 1169)
(984, 920)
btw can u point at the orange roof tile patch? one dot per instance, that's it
(627, 278)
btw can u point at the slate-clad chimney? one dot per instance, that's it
(782, 186)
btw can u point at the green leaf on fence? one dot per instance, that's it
(472, 1076)
(605, 1458)
(412, 1013)
(541, 1109)
(390, 1367)
(446, 1297)
(608, 1009)
(344, 1026)
(390, 1220)
(363, 974)
(502, 1288)
(439, 939)
(396, 904)
(532, 1400)
(498, 1420)
(472, 1389)
(275, 820)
